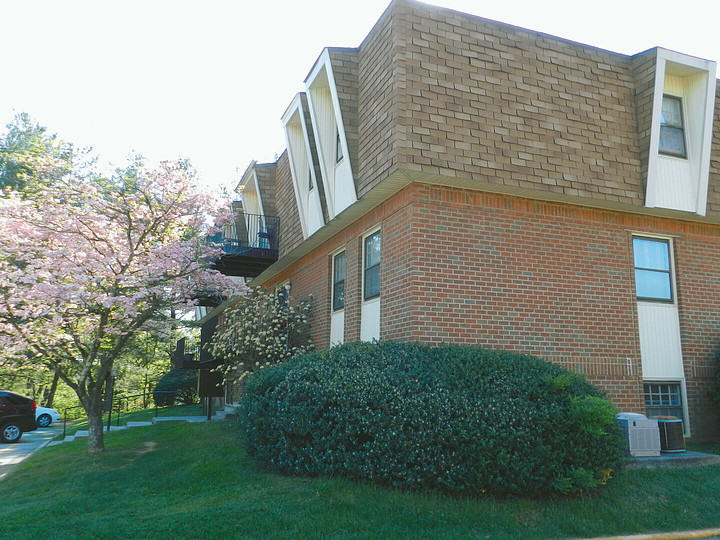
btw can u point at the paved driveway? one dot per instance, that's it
(12, 454)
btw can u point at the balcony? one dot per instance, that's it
(250, 244)
(196, 356)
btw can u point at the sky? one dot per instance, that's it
(209, 80)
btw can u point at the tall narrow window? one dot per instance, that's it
(652, 269)
(672, 129)
(371, 266)
(338, 290)
(310, 181)
(338, 149)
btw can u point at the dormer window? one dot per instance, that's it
(338, 149)
(672, 129)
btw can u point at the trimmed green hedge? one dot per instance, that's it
(459, 419)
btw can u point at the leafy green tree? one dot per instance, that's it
(144, 361)
(30, 157)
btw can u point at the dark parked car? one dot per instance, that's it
(17, 415)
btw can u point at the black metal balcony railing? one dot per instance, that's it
(250, 244)
(192, 357)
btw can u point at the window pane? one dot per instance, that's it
(671, 112)
(338, 149)
(672, 140)
(338, 301)
(672, 132)
(651, 284)
(651, 254)
(663, 399)
(338, 295)
(652, 268)
(372, 250)
(372, 282)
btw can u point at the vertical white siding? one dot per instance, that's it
(337, 327)
(302, 170)
(314, 212)
(251, 200)
(344, 197)
(660, 347)
(298, 167)
(370, 320)
(675, 186)
(325, 133)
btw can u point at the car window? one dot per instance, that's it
(15, 399)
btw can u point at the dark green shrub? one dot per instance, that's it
(459, 419)
(176, 387)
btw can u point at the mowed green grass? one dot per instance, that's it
(143, 415)
(181, 480)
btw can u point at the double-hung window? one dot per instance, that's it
(371, 266)
(653, 279)
(338, 286)
(672, 128)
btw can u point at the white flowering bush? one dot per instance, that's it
(459, 419)
(264, 328)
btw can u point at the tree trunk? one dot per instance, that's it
(50, 396)
(96, 443)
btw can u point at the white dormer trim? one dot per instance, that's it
(675, 182)
(301, 168)
(324, 105)
(249, 190)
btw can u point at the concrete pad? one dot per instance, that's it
(139, 424)
(674, 460)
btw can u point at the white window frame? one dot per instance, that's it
(370, 311)
(680, 127)
(671, 265)
(379, 264)
(333, 258)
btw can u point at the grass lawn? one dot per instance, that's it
(181, 480)
(144, 415)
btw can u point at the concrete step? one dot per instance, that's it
(84, 433)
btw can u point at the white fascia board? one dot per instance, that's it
(245, 178)
(259, 194)
(692, 62)
(309, 81)
(707, 136)
(295, 109)
(652, 172)
(324, 63)
(311, 165)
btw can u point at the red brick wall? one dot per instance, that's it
(547, 279)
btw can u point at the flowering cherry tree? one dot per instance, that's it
(88, 262)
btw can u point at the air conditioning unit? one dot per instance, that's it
(642, 434)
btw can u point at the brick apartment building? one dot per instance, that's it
(456, 179)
